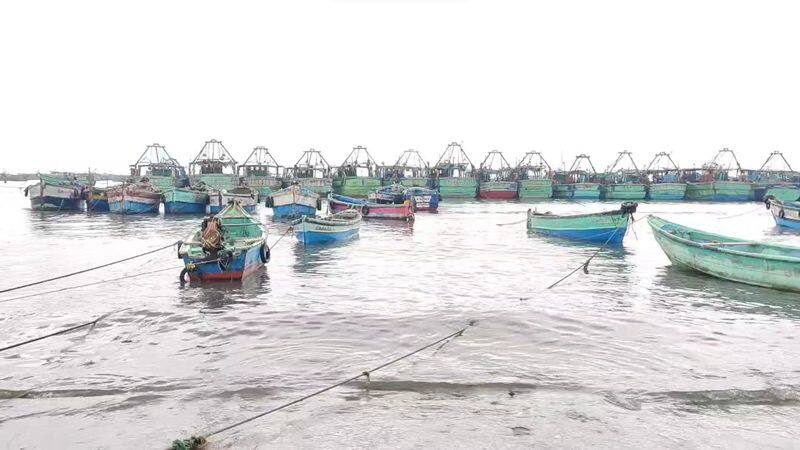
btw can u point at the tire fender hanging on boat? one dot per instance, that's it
(781, 214)
(365, 210)
(264, 253)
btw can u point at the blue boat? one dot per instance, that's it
(341, 226)
(228, 246)
(96, 199)
(134, 198)
(423, 199)
(185, 201)
(786, 214)
(293, 201)
(607, 227)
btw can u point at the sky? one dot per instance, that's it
(88, 84)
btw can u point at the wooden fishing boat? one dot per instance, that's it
(293, 201)
(454, 175)
(393, 193)
(580, 182)
(497, 180)
(262, 172)
(215, 167)
(535, 177)
(162, 170)
(786, 214)
(246, 197)
(228, 246)
(358, 174)
(607, 227)
(311, 172)
(664, 179)
(372, 210)
(422, 199)
(96, 199)
(623, 181)
(777, 179)
(188, 200)
(759, 264)
(134, 197)
(336, 227)
(721, 180)
(56, 192)
(410, 170)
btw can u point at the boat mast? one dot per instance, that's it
(155, 156)
(577, 163)
(311, 161)
(212, 158)
(260, 157)
(453, 158)
(659, 156)
(410, 160)
(533, 161)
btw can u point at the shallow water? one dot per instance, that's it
(635, 354)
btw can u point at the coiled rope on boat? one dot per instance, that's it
(196, 442)
(89, 269)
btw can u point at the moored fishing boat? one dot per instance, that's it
(228, 246)
(759, 264)
(777, 179)
(372, 210)
(340, 226)
(162, 170)
(262, 172)
(134, 197)
(187, 200)
(623, 180)
(410, 170)
(56, 192)
(96, 199)
(423, 199)
(311, 172)
(293, 201)
(358, 174)
(246, 197)
(580, 182)
(721, 180)
(607, 227)
(664, 179)
(535, 177)
(215, 167)
(786, 214)
(454, 175)
(496, 178)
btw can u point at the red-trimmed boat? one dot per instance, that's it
(497, 180)
(372, 210)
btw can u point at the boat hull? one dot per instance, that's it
(624, 191)
(562, 191)
(586, 191)
(786, 214)
(264, 185)
(783, 193)
(97, 200)
(131, 200)
(185, 201)
(236, 268)
(316, 185)
(725, 262)
(402, 211)
(720, 191)
(47, 197)
(356, 186)
(497, 190)
(457, 187)
(218, 200)
(312, 232)
(533, 189)
(608, 227)
(292, 202)
(666, 191)
(425, 202)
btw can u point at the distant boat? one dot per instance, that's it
(262, 172)
(56, 192)
(621, 182)
(228, 246)
(786, 214)
(497, 179)
(777, 179)
(664, 179)
(96, 199)
(311, 172)
(719, 181)
(293, 201)
(186, 200)
(454, 175)
(155, 172)
(340, 226)
(535, 177)
(371, 210)
(162, 170)
(422, 199)
(134, 197)
(410, 170)
(245, 196)
(759, 264)
(607, 227)
(358, 174)
(580, 182)
(215, 167)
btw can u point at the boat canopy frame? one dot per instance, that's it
(213, 158)
(260, 163)
(311, 164)
(354, 161)
(453, 163)
(495, 167)
(533, 166)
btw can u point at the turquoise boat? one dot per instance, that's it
(358, 175)
(607, 227)
(721, 180)
(783, 192)
(311, 172)
(623, 181)
(454, 174)
(163, 171)
(341, 226)
(786, 214)
(410, 170)
(739, 260)
(580, 182)
(777, 179)
(664, 179)
(185, 200)
(261, 172)
(535, 177)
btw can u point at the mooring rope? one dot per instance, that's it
(741, 214)
(288, 230)
(196, 442)
(87, 270)
(64, 331)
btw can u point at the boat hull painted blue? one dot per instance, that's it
(129, 207)
(237, 268)
(730, 198)
(612, 235)
(97, 205)
(184, 208)
(311, 237)
(293, 210)
(667, 197)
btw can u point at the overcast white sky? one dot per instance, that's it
(89, 84)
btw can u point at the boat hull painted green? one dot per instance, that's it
(784, 193)
(720, 191)
(216, 181)
(771, 266)
(458, 187)
(666, 191)
(601, 227)
(586, 191)
(624, 191)
(531, 189)
(184, 201)
(356, 186)
(562, 191)
(264, 185)
(407, 182)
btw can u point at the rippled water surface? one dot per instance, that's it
(635, 354)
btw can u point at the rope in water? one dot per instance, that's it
(741, 214)
(288, 230)
(64, 331)
(197, 441)
(86, 270)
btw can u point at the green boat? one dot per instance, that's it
(311, 172)
(215, 167)
(535, 177)
(606, 227)
(261, 172)
(784, 193)
(580, 182)
(410, 170)
(358, 175)
(454, 174)
(777, 179)
(721, 180)
(759, 264)
(623, 181)
(162, 170)
(664, 179)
